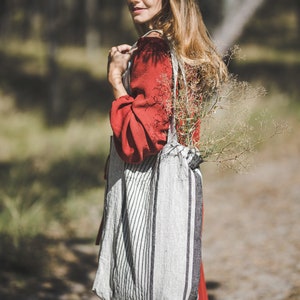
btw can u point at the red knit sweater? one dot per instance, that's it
(140, 121)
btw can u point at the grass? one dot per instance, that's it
(73, 58)
(51, 177)
(51, 182)
(258, 53)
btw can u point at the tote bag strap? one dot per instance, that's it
(153, 30)
(172, 135)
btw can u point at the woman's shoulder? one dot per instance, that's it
(153, 42)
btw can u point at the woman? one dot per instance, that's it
(138, 260)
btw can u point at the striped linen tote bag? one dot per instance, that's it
(151, 239)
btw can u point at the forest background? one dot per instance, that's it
(54, 129)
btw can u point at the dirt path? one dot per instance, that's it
(252, 230)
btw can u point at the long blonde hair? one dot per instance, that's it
(181, 22)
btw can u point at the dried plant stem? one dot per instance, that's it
(228, 132)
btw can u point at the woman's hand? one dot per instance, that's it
(117, 64)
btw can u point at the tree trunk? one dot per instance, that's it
(237, 14)
(298, 16)
(55, 109)
(92, 35)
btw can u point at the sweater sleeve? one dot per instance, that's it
(140, 121)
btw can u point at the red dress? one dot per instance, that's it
(140, 121)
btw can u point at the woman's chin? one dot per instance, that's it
(139, 20)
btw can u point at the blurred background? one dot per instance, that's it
(54, 134)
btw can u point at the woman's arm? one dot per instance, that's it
(140, 121)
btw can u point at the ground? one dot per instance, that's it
(251, 236)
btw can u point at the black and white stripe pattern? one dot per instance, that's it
(133, 241)
(151, 243)
(178, 219)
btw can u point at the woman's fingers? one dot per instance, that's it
(118, 58)
(117, 64)
(132, 49)
(124, 49)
